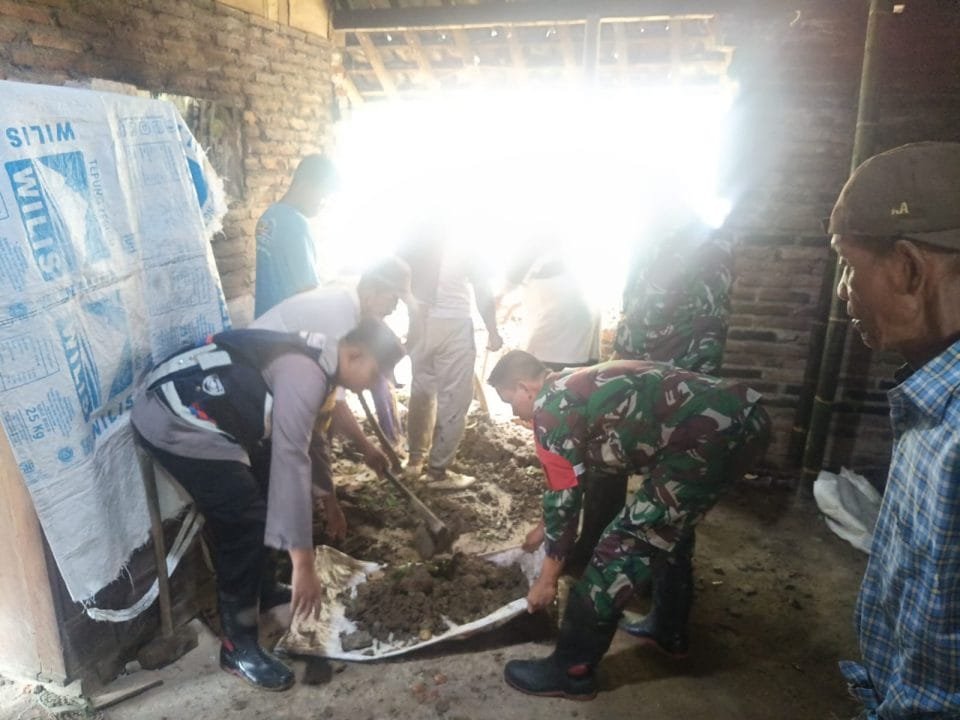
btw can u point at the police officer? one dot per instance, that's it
(690, 434)
(232, 421)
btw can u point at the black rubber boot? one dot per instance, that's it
(665, 626)
(240, 651)
(570, 671)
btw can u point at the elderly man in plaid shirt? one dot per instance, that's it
(896, 228)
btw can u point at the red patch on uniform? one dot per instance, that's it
(560, 473)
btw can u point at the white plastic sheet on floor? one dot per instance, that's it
(850, 505)
(106, 208)
(339, 572)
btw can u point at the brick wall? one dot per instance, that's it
(795, 118)
(278, 77)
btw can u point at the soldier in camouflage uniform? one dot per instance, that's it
(676, 307)
(676, 302)
(691, 435)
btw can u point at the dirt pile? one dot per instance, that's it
(414, 602)
(502, 505)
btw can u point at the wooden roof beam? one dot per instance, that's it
(570, 63)
(420, 55)
(621, 47)
(535, 12)
(376, 62)
(516, 54)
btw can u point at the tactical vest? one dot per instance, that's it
(219, 386)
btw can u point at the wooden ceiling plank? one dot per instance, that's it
(566, 47)
(376, 62)
(420, 55)
(622, 49)
(535, 12)
(516, 54)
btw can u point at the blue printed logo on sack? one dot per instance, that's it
(53, 195)
(83, 368)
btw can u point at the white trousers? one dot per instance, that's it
(443, 356)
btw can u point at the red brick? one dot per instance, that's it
(25, 12)
(49, 39)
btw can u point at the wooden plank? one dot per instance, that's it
(311, 16)
(516, 55)
(566, 47)
(423, 62)
(356, 99)
(29, 625)
(535, 12)
(467, 53)
(622, 50)
(376, 62)
(676, 50)
(591, 48)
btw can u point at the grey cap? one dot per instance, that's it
(912, 191)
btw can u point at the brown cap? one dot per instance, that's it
(912, 191)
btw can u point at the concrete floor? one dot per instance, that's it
(772, 618)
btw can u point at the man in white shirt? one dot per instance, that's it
(334, 310)
(442, 351)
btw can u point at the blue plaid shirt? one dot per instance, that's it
(908, 612)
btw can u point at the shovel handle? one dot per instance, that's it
(378, 431)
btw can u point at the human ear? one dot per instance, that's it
(911, 267)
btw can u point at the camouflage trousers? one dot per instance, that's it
(660, 518)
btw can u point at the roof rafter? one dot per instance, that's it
(532, 12)
(376, 62)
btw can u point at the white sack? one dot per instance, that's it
(850, 505)
(339, 572)
(106, 207)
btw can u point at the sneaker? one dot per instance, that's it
(413, 470)
(443, 479)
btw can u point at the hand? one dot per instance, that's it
(534, 539)
(494, 341)
(306, 589)
(375, 459)
(542, 594)
(336, 525)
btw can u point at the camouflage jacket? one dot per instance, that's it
(619, 417)
(676, 305)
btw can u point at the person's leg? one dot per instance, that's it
(680, 489)
(383, 403)
(455, 361)
(272, 591)
(603, 498)
(665, 626)
(233, 502)
(421, 412)
(726, 459)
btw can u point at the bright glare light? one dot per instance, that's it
(597, 173)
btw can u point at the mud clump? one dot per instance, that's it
(410, 603)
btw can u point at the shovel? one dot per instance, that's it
(433, 536)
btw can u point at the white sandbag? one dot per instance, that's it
(850, 505)
(105, 265)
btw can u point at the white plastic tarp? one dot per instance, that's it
(850, 505)
(106, 207)
(339, 573)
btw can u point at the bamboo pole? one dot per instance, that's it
(831, 359)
